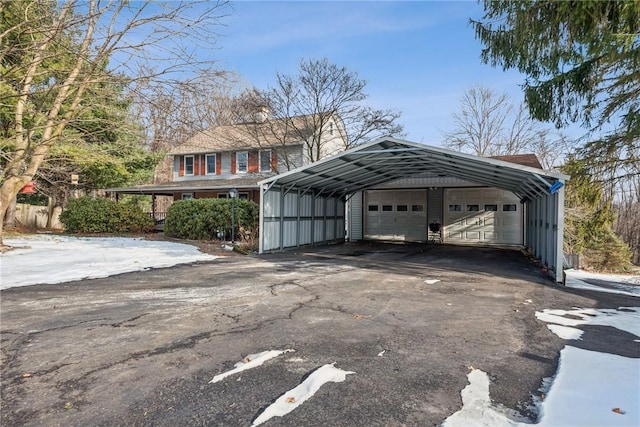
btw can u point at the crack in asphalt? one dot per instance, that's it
(122, 324)
(82, 383)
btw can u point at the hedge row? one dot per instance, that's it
(201, 219)
(88, 215)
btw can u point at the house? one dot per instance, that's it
(213, 162)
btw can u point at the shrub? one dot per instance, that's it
(201, 219)
(88, 215)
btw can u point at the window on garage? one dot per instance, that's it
(402, 208)
(509, 207)
(373, 208)
(473, 208)
(387, 208)
(417, 208)
(490, 208)
(455, 208)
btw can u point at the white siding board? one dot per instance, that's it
(355, 217)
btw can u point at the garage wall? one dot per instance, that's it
(295, 219)
(435, 203)
(545, 228)
(354, 223)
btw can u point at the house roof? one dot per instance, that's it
(389, 159)
(530, 160)
(271, 132)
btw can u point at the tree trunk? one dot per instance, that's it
(8, 193)
(10, 215)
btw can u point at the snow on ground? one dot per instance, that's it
(250, 362)
(589, 389)
(625, 318)
(611, 283)
(303, 392)
(47, 258)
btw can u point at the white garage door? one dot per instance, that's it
(482, 216)
(395, 215)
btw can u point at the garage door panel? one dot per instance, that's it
(472, 235)
(482, 216)
(490, 235)
(397, 215)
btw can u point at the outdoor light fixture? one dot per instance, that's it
(233, 193)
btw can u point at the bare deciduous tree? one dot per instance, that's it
(171, 114)
(480, 124)
(489, 125)
(53, 53)
(320, 96)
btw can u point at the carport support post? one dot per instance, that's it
(261, 220)
(560, 235)
(153, 207)
(282, 196)
(313, 218)
(298, 220)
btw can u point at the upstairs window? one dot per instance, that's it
(188, 165)
(242, 161)
(265, 160)
(211, 164)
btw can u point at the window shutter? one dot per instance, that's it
(274, 161)
(253, 162)
(203, 164)
(196, 164)
(233, 162)
(181, 159)
(218, 163)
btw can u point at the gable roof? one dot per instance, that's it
(388, 159)
(270, 133)
(530, 160)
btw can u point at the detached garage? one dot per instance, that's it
(395, 190)
(464, 215)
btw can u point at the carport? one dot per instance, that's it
(308, 206)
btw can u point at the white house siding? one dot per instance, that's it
(427, 182)
(354, 226)
(289, 157)
(435, 203)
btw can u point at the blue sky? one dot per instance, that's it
(418, 57)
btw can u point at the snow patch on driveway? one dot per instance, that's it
(303, 392)
(250, 362)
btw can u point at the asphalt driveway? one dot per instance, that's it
(140, 348)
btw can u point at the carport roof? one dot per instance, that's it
(389, 159)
